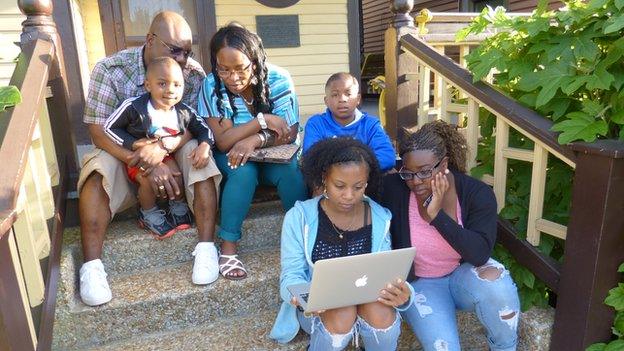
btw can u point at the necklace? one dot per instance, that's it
(341, 233)
(247, 102)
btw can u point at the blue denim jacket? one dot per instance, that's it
(298, 237)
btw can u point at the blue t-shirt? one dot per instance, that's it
(366, 129)
(281, 94)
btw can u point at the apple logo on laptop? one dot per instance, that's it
(360, 282)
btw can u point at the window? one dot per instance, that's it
(479, 5)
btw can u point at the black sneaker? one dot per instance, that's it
(180, 215)
(157, 223)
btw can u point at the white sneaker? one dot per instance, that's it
(94, 289)
(206, 265)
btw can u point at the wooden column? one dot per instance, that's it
(39, 24)
(594, 247)
(401, 70)
(14, 322)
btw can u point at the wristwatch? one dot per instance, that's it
(261, 120)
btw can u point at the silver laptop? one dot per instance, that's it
(352, 280)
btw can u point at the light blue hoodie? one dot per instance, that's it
(298, 237)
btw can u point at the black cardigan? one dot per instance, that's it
(474, 241)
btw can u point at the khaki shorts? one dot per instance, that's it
(122, 193)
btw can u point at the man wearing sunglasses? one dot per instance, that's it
(103, 185)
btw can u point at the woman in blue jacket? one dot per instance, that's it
(341, 222)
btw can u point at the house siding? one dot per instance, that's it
(10, 28)
(92, 27)
(324, 46)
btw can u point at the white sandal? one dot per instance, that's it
(231, 264)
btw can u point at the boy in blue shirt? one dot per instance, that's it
(343, 118)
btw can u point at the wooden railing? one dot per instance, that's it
(594, 244)
(36, 151)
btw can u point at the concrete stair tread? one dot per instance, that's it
(175, 281)
(241, 333)
(127, 230)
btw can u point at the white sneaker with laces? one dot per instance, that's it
(206, 265)
(94, 289)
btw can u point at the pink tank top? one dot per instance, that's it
(434, 256)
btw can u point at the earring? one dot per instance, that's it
(254, 80)
(325, 193)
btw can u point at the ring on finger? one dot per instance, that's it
(142, 169)
(161, 187)
(241, 154)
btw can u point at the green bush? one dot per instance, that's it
(568, 66)
(9, 96)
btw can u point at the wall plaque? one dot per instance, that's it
(278, 31)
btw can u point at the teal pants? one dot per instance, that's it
(239, 186)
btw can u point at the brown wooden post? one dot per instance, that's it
(14, 328)
(40, 25)
(401, 89)
(594, 247)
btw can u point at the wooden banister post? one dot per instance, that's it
(401, 71)
(39, 24)
(594, 247)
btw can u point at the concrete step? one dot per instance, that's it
(129, 249)
(242, 333)
(165, 299)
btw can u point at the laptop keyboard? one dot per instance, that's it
(304, 296)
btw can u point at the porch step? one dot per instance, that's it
(163, 299)
(242, 333)
(155, 306)
(129, 249)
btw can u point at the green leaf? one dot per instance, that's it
(575, 84)
(618, 324)
(601, 79)
(616, 345)
(618, 118)
(585, 48)
(621, 268)
(596, 347)
(614, 24)
(592, 107)
(619, 4)
(615, 297)
(9, 96)
(580, 126)
(596, 4)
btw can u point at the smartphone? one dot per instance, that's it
(428, 200)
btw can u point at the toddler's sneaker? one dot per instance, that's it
(155, 221)
(94, 289)
(180, 215)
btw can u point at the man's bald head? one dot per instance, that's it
(168, 31)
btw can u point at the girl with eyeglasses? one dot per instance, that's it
(341, 222)
(450, 218)
(249, 104)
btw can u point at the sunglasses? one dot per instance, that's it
(174, 50)
(424, 174)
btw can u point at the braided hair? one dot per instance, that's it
(340, 150)
(440, 138)
(238, 37)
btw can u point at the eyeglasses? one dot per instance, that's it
(175, 50)
(226, 73)
(424, 174)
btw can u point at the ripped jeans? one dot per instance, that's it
(374, 339)
(493, 298)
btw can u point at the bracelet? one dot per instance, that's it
(263, 139)
(162, 145)
(270, 137)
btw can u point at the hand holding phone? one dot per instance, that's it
(439, 186)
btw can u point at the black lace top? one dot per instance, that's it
(328, 243)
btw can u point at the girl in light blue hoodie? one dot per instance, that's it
(341, 222)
